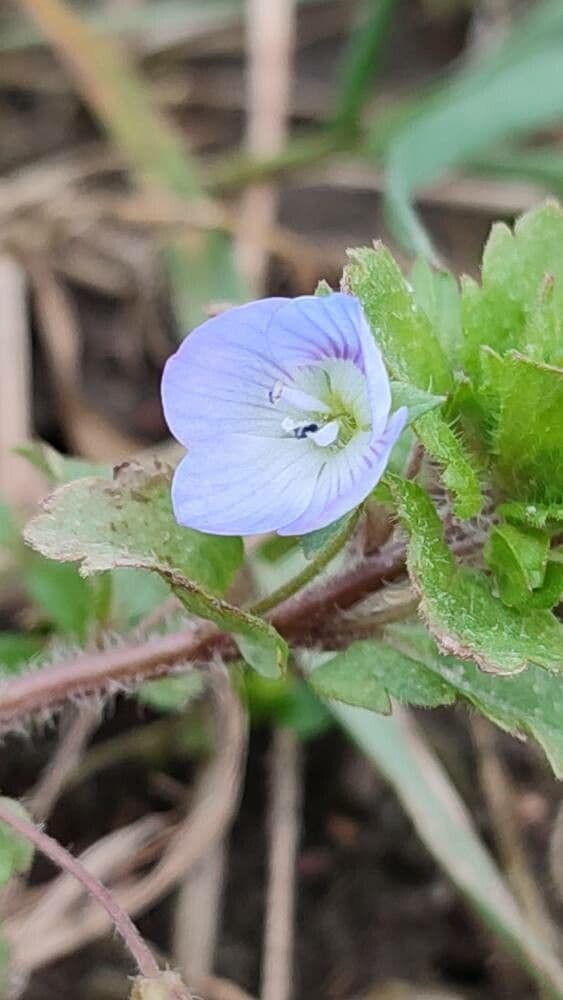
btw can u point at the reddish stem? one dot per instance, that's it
(93, 673)
(122, 922)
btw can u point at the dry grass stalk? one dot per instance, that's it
(270, 32)
(284, 823)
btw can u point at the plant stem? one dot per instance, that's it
(309, 572)
(362, 60)
(98, 672)
(140, 952)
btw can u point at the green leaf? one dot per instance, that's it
(417, 401)
(458, 605)
(510, 91)
(437, 294)
(323, 289)
(285, 701)
(135, 594)
(520, 302)
(404, 333)
(64, 596)
(399, 753)
(458, 471)
(172, 694)
(16, 649)
(528, 704)
(128, 523)
(16, 853)
(527, 440)
(518, 558)
(315, 541)
(368, 673)
(414, 355)
(59, 468)
(548, 516)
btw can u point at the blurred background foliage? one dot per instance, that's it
(158, 160)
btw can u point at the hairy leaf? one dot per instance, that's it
(128, 523)
(404, 333)
(459, 472)
(414, 355)
(528, 437)
(520, 302)
(518, 558)
(368, 673)
(531, 703)
(458, 605)
(437, 294)
(548, 516)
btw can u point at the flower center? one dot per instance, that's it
(326, 404)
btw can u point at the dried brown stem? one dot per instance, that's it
(79, 727)
(215, 802)
(144, 959)
(277, 973)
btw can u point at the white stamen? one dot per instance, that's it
(297, 398)
(322, 436)
(325, 435)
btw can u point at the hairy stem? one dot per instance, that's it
(140, 952)
(101, 672)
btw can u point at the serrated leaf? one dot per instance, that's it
(16, 853)
(527, 440)
(437, 294)
(128, 523)
(520, 302)
(530, 704)
(458, 471)
(518, 558)
(548, 516)
(414, 355)
(404, 333)
(457, 603)
(367, 673)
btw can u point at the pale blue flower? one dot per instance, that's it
(283, 405)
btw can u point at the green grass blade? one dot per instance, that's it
(399, 752)
(362, 60)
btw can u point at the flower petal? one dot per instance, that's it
(348, 477)
(218, 381)
(310, 329)
(240, 485)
